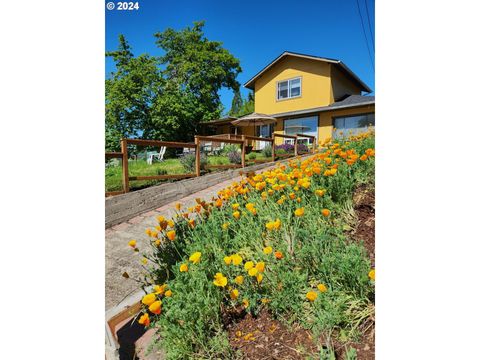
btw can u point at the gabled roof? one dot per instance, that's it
(250, 83)
(351, 101)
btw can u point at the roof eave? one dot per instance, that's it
(250, 84)
(321, 109)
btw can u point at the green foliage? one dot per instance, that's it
(230, 148)
(166, 98)
(313, 250)
(129, 93)
(240, 106)
(267, 151)
(252, 156)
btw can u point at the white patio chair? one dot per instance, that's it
(159, 155)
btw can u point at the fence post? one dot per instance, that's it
(243, 151)
(273, 147)
(126, 188)
(197, 156)
(295, 142)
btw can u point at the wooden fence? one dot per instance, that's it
(214, 140)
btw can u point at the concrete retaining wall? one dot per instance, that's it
(123, 207)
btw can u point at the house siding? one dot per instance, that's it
(316, 87)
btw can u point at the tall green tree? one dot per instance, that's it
(198, 66)
(167, 97)
(237, 103)
(241, 106)
(129, 94)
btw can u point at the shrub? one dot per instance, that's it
(188, 162)
(252, 156)
(289, 148)
(228, 148)
(267, 151)
(234, 157)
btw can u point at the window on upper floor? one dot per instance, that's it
(290, 88)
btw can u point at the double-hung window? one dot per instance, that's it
(290, 88)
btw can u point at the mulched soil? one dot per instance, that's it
(364, 205)
(263, 338)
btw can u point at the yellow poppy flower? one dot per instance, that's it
(248, 265)
(220, 280)
(325, 212)
(236, 259)
(311, 295)
(300, 212)
(260, 266)
(252, 272)
(239, 280)
(171, 235)
(277, 223)
(156, 307)
(320, 192)
(159, 289)
(267, 250)
(228, 260)
(322, 288)
(148, 299)
(195, 257)
(259, 278)
(245, 303)
(144, 320)
(132, 243)
(225, 226)
(371, 274)
(236, 214)
(168, 293)
(234, 294)
(183, 268)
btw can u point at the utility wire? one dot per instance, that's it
(370, 27)
(365, 36)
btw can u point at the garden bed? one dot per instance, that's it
(273, 267)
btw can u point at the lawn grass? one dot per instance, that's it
(113, 174)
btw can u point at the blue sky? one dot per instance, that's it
(255, 32)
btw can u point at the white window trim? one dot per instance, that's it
(288, 89)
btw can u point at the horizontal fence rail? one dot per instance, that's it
(242, 140)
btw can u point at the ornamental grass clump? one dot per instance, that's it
(274, 241)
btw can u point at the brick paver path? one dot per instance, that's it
(119, 257)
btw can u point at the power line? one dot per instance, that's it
(370, 26)
(365, 36)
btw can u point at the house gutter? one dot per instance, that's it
(321, 109)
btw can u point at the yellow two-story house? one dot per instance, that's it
(308, 95)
